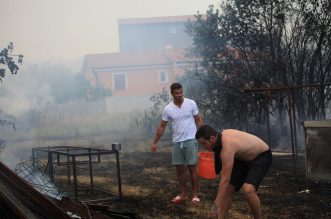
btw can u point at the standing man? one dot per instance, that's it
(244, 160)
(184, 117)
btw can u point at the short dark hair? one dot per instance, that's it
(205, 131)
(175, 86)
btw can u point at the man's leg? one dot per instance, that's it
(181, 180)
(256, 173)
(249, 192)
(194, 179)
(191, 157)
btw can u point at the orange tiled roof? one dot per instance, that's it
(132, 59)
(149, 20)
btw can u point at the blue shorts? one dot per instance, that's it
(185, 152)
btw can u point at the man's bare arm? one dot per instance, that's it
(198, 120)
(158, 135)
(223, 198)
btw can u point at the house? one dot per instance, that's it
(136, 73)
(151, 57)
(156, 33)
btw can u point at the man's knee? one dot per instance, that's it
(192, 168)
(180, 169)
(248, 189)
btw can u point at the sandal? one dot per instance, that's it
(178, 199)
(195, 200)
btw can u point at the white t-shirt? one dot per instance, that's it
(182, 119)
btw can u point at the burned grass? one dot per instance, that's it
(149, 183)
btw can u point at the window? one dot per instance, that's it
(120, 81)
(163, 76)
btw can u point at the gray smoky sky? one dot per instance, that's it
(54, 36)
(59, 33)
(62, 30)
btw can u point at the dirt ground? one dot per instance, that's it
(149, 183)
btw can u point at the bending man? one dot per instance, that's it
(244, 160)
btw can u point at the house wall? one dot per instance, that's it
(155, 36)
(139, 82)
(118, 105)
(143, 53)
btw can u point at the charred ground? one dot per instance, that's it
(149, 183)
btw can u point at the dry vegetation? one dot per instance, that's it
(149, 183)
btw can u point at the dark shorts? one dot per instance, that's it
(251, 172)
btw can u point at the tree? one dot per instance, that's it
(7, 60)
(153, 114)
(261, 44)
(308, 59)
(220, 69)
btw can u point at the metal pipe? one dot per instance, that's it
(68, 167)
(91, 171)
(50, 165)
(74, 173)
(118, 175)
(294, 124)
(291, 128)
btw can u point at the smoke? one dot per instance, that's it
(23, 92)
(33, 87)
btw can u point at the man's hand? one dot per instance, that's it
(214, 211)
(153, 147)
(158, 135)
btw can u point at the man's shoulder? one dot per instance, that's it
(169, 104)
(188, 100)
